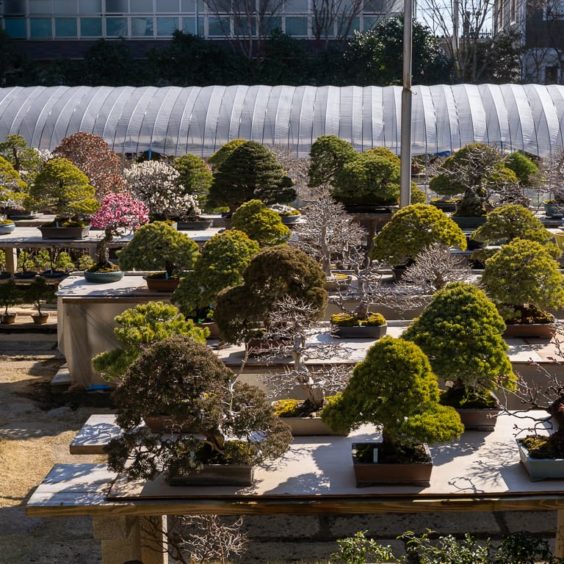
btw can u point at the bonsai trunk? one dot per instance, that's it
(556, 410)
(325, 254)
(169, 268)
(103, 248)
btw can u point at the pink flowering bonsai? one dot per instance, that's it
(119, 214)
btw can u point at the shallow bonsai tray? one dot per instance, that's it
(103, 277)
(530, 330)
(197, 225)
(215, 475)
(162, 284)
(475, 419)
(48, 232)
(541, 468)
(365, 332)
(309, 426)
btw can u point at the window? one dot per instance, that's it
(116, 6)
(296, 26)
(116, 27)
(271, 24)
(189, 26)
(141, 6)
(167, 6)
(190, 6)
(166, 26)
(40, 28)
(65, 27)
(346, 27)
(296, 6)
(90, 6)
(241, 27)
(40, 7)
(219, 27)
(374, 6)
(16, 28)
(65, 7)
(142, 27)
(14, 7)
(91, 27)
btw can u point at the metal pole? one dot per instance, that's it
(405, 151)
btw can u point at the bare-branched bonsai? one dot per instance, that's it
(524, 281)
(139, 327)
(221, 265)
(260, 223)
(328, 155)
(158, 246)
(395, 387)
(230, 423)
(461, 333)
(243, 311)
(413, 229)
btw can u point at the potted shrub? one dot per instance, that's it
(394, 387)
(225, 151)
(523, 280)
(288, 214)
(232, 427)
(13, 191)
(328, 154)
(118, 214)
(9, 296)
(461, 333)
(137, 328)
(260, 223)
(220, 265)
(7, 226)
(61, 188)
(195, 175)
(445, 203)
(38, 292)
(27, 264)
(349, 326)
(158, 246)
(413, 229)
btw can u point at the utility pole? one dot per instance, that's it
(405, 150)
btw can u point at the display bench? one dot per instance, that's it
(479, 472)
(30, 238)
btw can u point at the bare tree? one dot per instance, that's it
(296, 168)
(333, 18)
(552, 174)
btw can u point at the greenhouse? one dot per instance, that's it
(175, 121)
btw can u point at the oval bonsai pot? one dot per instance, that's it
(40, 318)
(375, 473)
(530, 330)
(363, 332)
(478, 419)
(554, 210)
(7, 228)
(28, 275)
(310, 426)
(195, 225)
(290, 219)
(213, 475)
(103, 277)
(5, 275)
(444, 205)
(17, 215)
(468, 222)
(53, 274)
(541, 468)
(161, 284)
(75, 232)
(8, 318)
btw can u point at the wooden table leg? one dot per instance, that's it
(559, 549)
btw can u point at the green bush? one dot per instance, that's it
(273, 274)
(10, 295)
(137, 328)
(224, 152)
(370, 178)
(250, 172)
(260, 223)
(524, 168)
(411, 230)
(461, 333)
(12, 188)
(158, 246)
(328, 154)
(195, 176)
(521, 275)
(349, 320)
(394, 386)
(222, 262)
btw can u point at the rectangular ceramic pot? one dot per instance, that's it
(372, 474)
(64, 232)
(530, 330)
(364, 332)
(215, 475)
(309, 426)
(541, 468)
(478, 419)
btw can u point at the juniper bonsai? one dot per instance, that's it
(328, 155)
(224, 152)
(260, 223)
(195, 176)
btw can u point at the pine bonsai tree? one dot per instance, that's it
(139, 327)
(63, 189)
(273, 274)
(224, 152)
(25, 159)
(158, 246)
(461, 333)
(250, 172)
(524, 168)
(195, 176)
(394, 386)
(524, 280)
(370, 178)
(13, 190)
(222, 262)
(188, 383)
(260, 223)
(413, 229)
(328, 155)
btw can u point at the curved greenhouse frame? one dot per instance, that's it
(175, 121)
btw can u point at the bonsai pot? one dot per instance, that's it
(195, 225)
(73, 232)
(476, 419)
(161, 284)
(213, 475)
(334, 282)
(375, 473)
(289, 219)
(309, 426)
(7, 228)
(8, 318)
(530, 330)
(468, 222)
(554, 210)
(21, 214)
(212, 327)
(444, 205)
(360, 332)
(27, 275)
(541, 468)
(5, 275)
(103, 277)
(54, 274)
(371, 208)
(40, 318)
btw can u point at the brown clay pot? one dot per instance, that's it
(530, 330)
(309, 426)
(40, 318)
(214, 475)
(162, 284)
(8, 318)
(475, 419)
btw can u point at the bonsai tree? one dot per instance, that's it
(224, 152)
(26, 160)
(370, 178)
(93, 156)
(9, 296)
(221, 264)
(395, 387)
(64, 190)
(273, 274)
(158, 246)
(411, 230)
(38, 292)
(328, 155)
(525, 169)
(158, 185)
(461, 333)
(195, 176)
(187, 382)
(12, 187)
(139, 327)
(523, 280)
(118, 214)
(260, 223)
(250, 172)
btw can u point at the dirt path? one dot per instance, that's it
(35, 433)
